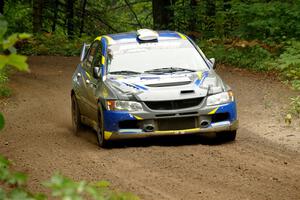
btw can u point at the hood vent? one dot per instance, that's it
(174, 104)
(187, 91)
(169, 84)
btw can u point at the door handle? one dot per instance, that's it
(88, 82)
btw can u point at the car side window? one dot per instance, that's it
(91, 55)
(97, 57)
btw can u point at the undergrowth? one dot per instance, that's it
(52, 44)
(4, 89)
(14, 187)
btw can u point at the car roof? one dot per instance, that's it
(131, 37)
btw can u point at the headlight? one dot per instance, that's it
(221, 98)
(123, 105)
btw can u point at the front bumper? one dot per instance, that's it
(113, 130)
(138, 133)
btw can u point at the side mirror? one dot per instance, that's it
(213, 62)
(97, 72)
(84, 50)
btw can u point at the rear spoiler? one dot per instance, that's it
(84, 50)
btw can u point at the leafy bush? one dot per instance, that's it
(9, 57)
(295, 106)
(1, 121)
(14, 187)
(271, 20)
(289, 63)
(240, 55)
(53, 44)
(4, 90)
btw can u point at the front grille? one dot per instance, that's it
(168, 84)
(177, 123)
(173, 105)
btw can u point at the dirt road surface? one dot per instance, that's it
(263, 163)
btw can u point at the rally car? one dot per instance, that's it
(150, 83)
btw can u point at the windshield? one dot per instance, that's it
(135, 57)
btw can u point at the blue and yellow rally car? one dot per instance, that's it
(150, 83)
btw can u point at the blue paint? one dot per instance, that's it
(112, 119)
(229, 108)
(132, 35)
(198, 82)
(140, 87)
(120, 36)
(169, 34)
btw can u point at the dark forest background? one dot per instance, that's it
(255, 34)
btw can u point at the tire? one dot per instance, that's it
(100, 132)
(76, 117)
(227, 136)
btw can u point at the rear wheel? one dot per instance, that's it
(227, 135)
(100, 131)
(76, 119)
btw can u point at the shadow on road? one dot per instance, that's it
(174, 140)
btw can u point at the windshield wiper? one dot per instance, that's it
(168, 70)
(125, 72)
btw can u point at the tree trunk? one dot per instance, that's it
(55, 14)
(226, 5)
(82, 16)
(193, 18)
(211, 8)
(37, 21)
(2, 7)
(70, 18)
(162, 14)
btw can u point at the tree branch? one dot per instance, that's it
(135, 16)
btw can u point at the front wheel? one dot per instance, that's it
(227, 135)
(100, 131)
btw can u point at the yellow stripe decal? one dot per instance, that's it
(178, 131)
(182, 36)
(88, 75)
(199, 74)
(103, 60)
(109, 39)
(213, 111)
(137, 117)
(107, 135)
(98, 38)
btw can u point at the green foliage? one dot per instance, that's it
(8, 53)
(66, 188)
(13, 187)
(295, 106)
(1, 121)
(53, 44)
(289, 63)
(276, 20)
(251, 57)
(9, 56)
(4, 90)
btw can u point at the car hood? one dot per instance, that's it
(175, 86)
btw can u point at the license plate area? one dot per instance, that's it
(179, 123)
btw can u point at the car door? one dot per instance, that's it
(93, 83)
(86, 76)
